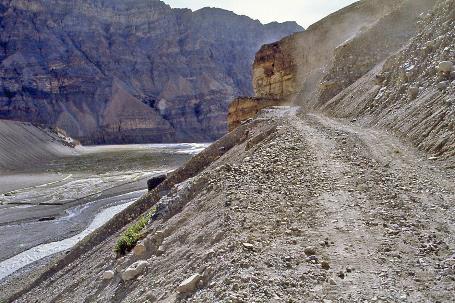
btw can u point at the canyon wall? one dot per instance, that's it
(126, 71)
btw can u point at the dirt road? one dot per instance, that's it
(317, 211)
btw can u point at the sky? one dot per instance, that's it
(305, 12)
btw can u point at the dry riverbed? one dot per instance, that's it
(44, 207)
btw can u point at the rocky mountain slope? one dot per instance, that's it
(384, 71)
(23, 145)
(126, 71)
(347, 197)
(300, 207)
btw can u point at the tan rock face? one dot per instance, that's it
(293, 69)
(298, 63)
(312, 67)
(274, 71)
(244, 108)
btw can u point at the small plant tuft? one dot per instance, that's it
(133, 234)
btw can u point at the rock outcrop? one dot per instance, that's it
(126, 71)
(244, 108)
(294, 67)
(298, 63)
(364, 68)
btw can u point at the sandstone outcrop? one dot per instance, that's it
(297, 63)
(340, 70)
(126, 71)
(294, 67)
(244, 108)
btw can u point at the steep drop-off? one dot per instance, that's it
(126, 71)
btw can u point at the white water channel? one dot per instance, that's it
(81, 185)
(39, 252)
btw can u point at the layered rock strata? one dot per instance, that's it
(244, 108)
(126, 71)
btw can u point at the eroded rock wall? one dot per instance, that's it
(292, 70)
(297, 63)
(383, 69)
(126, 71)
(244, 108)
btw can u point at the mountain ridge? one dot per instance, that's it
(61, 61)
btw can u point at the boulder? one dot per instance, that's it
(445, 67)
(189, 285)
(108, 274)
(155, 181)
(134, 270)
(139, 250)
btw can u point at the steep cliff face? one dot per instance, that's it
(297, 63)
(244, 108)
(380, 65)
(126, 71)
(294, 68)
(334, 52)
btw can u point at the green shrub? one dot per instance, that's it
(133, 234)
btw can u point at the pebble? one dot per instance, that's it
(108, 274)
(248, 246)
(325, 265)
(310, 250)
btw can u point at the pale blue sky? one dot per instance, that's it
(305, 12)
